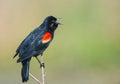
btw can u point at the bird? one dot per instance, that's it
(35, 44)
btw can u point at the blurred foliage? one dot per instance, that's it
(85, 49)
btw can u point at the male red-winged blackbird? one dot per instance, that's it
(35, 44)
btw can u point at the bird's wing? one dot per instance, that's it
(37, 47)
(26, 48)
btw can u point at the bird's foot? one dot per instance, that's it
(42, 65)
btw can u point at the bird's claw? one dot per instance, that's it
(42, 65)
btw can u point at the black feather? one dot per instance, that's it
(32, 45)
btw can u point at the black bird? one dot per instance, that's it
(35, 44)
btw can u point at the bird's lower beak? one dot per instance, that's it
(57, 22)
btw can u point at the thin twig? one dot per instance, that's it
(43, 75)
(42, 68)
(39, 82)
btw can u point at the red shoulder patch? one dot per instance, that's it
(47, 37)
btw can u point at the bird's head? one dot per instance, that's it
(51, 22)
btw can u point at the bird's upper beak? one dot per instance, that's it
(57, 22)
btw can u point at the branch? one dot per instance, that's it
(39, 82)
(43, 75)
(42, 68)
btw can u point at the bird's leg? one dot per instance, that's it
(41, 62)
(42, 66)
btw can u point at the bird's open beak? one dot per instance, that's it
(57, 22)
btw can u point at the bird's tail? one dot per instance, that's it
(25, 70)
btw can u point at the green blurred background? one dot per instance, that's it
(85, 49)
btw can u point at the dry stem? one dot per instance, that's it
(39, 82)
